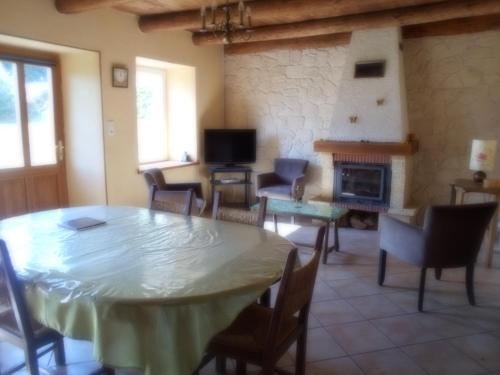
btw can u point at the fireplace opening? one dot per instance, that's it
(363, 183)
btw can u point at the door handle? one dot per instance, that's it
(60, 150)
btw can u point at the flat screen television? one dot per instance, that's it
(230, 146)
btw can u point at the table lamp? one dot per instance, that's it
(482, 158)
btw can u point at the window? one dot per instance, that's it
(166, 113)
(151, 115)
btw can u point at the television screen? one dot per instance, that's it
(230, 146)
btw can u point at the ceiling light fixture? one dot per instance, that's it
(222, 26)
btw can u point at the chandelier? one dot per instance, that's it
(221, 24)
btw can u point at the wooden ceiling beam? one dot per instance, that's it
(77, 6)
(453, 27)
(322, 41)
(399, 17)
(270, 12)
(442, 28)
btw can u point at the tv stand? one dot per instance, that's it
(246, 181)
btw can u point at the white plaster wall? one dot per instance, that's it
(289, 97)
(453, 97)
(358, 96)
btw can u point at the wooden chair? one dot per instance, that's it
(177, 202)
(238, 215)
(451, 238)
(261, 335)
(16, 325)
(158, 188)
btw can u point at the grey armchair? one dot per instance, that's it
(451, 238)
(287, 180)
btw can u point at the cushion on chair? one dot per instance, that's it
(289, 169)
(248, 333)
(277, 190)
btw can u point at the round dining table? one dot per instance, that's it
(149, 289)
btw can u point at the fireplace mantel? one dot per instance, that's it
(380, 148)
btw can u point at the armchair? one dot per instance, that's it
(451, 238)
(287, 180)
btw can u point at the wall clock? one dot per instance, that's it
(120, 76)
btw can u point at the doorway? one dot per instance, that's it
(32, 169)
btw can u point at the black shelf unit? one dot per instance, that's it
(246, 181)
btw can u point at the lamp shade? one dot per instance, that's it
(482, 156)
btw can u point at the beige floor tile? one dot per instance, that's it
(359, 337)
(323, 292)
(354, 287)
(496, 334)
(442, 358)
(340, 366)
(333, 312)
(446, 324)
(345, 271)
(387, 362)
(483, 348)
(320, 346)
(408, 300)
(313, 322)
(405, 330)
(484, 317)
(377, 306)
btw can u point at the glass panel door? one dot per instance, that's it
(11, 135)
(40, 108)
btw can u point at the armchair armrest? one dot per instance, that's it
(298, 186)
(267, 179)
(403, 240)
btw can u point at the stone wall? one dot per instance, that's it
(453, 88)
(453, 93)
(288, 96)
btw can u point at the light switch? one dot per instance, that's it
(110, 128)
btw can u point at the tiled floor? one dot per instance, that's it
(357, 327)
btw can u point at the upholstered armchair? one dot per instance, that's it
(287, 181)
(451, 238)
(158, 187)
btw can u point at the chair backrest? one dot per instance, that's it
(289, 169)
(16, 314)
(295, 292)
(453, 234)
(154, 177)
(237, 215)
(178, 202)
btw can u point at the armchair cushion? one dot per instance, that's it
(268, 179)
(401, 239)
(275, 191)
(289, 169)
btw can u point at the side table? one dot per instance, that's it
(463, 186)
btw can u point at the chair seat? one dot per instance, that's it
(248, 333)
(276, 190)
(9, 324)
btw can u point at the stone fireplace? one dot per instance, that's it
(366, 162)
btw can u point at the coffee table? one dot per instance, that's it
(327, 213)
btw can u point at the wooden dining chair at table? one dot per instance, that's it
(16, 325)
(177, 202)
(241, 216)
(261, 335)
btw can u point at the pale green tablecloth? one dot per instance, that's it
(149, 289)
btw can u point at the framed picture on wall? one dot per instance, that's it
(120, 76)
